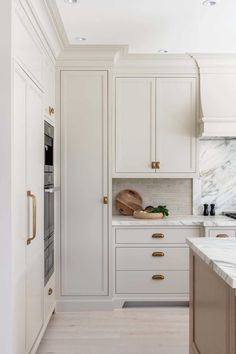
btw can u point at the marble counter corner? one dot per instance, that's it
(220, 255)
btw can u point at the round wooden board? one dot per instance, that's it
(145, 215)
(127, 201)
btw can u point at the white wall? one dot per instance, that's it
(5, 177)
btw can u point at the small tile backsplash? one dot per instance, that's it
(176, 194)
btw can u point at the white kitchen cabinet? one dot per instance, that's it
(135, 125)
(176, 125)
(28, 222)
(155, 127)
(49, 82)
(219, 232)
(151, 263)
(84, 183)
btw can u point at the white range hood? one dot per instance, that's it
(217, 94)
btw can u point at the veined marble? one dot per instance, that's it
(205, 221)
(220, 255)
(217, 176)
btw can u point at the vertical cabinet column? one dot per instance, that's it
(35, 229)
(27, 212)
(84, 178)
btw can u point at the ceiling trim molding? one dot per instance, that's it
(57, 22)
(119, 58)
(44, 24)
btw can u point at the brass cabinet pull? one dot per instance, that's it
(222, 235)
(158, 165)
(158, 235)
(154, 165)
(51, 110)
(50, 291)
(105, 200)
(158, 254)
(34, 221)
(158, 277)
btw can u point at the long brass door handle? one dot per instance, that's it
(158, 254)
(34, 221)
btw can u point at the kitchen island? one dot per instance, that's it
(212, 296)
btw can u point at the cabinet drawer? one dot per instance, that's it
(141, 282)
(157, 258)
(155, 235)
(49, 297)
(221, 233)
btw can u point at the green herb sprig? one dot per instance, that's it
(159, 209)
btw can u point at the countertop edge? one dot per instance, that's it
(211, 263)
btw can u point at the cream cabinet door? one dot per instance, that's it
(134, 126)
(176, 125)
(28, 167)
(34, 184)
(84, 172)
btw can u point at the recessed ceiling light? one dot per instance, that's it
(162, 51)
(80, 39)
(209, 2)
(71, 2)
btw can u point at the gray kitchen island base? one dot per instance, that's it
(212, 310)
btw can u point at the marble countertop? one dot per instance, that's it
(185, 220)
(220, 255)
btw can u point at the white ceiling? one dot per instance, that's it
(150, 25)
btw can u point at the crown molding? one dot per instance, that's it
(119, 58)
(221, 63)
(43, 21)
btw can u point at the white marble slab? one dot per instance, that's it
(220, 255)
(189, 220)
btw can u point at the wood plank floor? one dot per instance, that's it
(124, 331)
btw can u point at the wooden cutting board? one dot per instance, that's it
(127, 201)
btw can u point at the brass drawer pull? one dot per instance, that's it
(222, 235)
(158, 235)
(154, 165)
(158, 254)
(158, 165)
(158, 277)
(50, 291)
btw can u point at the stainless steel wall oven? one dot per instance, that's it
(48, 202)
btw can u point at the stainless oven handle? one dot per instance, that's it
(52, 190)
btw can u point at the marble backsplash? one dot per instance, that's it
(217, 176)
(175, 193)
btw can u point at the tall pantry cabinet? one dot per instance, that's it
(84, 184)
(31, 92)
(27, 210)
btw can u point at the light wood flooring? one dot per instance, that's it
(125, 331)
